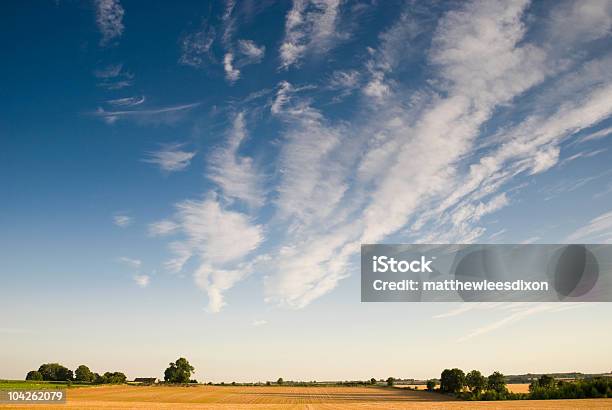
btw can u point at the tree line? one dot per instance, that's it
(178, 372)
(55, 372)
(475, 386)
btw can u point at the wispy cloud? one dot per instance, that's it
(251, 51)
(122, 220)
(603, 133)
(170, 158)
(231, 74)
(424, 161)
(163, 227)
(142, 280)
(260, 322)
(114, 77)
(109, 17)
(161, 115)
(133, 263)
(598, 229)
(510, 312)
(220, 239)
(310, 27)
(196, 46)
(532, 239)
(127, 101)
(235, 174)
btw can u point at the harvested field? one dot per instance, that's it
(273, 397)
(519, 388)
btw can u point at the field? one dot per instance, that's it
(294, 398)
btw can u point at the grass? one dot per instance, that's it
(35, 385)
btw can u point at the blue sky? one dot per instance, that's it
(196, 179)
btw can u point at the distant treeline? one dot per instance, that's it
(529, 377)
(475, 386)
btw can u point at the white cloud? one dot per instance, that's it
(235, 174)
(598, 229)
(511, 312)
(149, 116)
(260, 322)
(133, 263)
(603, 133)
(109, 17)
(416, 152)
(142, 280)
(219, 239)
(127, 101)
(170, 158)
(251, 51)
(162, 228)
(575, 22)
(424, 163)
(122, 221)
(114, 77)
(310, 26)
(519, 312)
(110, 71)
(231, 74)
(196, 47)
(529, 240)
(344, 80)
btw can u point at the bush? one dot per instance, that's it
(431, 385)
(34, 375)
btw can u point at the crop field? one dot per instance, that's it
(274, 397)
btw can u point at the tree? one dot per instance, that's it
(83, 374)
(452, 380)
(475, 381)
(55, 372)
(34, 375)
(431, 384)
(390, 381)
(179, 371)
(497, 382)
(546, 381)
(280, 381)
(372, 381)
(114, 377)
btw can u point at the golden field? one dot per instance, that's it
(294, 398)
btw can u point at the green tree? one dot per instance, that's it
(97, 379)
(55, 372)
(280, 381)
(390, 381)
(431, 384)
(475, 381)
(83, 374)
(34, 375)
(497, 382)
(545, 381)
(452, 380)
(114, 377)
(179, 371)
(372, 380)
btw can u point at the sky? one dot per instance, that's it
(195, 179)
